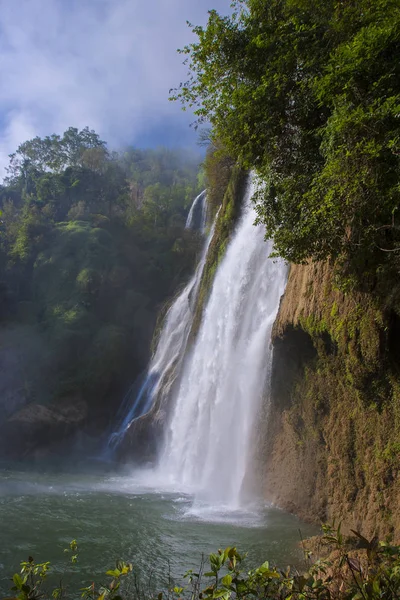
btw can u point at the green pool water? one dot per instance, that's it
(129, 517)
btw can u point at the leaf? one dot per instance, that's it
(214, 561)
(300, 582)
(221, 594)
(364, 540)
(17, 579)
(354, 564)
(227, 580)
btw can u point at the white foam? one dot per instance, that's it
(223, 380)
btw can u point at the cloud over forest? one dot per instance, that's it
(107, 64)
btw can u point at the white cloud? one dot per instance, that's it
(107, 64)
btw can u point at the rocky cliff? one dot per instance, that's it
(332, 448)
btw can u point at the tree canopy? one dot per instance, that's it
(92, 243)
(307, 93)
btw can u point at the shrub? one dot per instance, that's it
(356, 569)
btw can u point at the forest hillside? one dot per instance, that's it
(92, 243)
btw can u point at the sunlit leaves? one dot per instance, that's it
(308, 94)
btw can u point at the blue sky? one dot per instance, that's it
(108, 64)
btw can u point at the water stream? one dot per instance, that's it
(197, 217)
(225, 376)
(172, 342)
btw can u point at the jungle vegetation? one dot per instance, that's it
(92, 243)
(307, 93)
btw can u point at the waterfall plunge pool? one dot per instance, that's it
(128, 517)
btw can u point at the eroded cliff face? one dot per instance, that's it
(332, 448)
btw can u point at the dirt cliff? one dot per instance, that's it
(332, 447)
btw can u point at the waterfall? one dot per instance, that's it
(223, 380)
(170, 348)
(197, 217)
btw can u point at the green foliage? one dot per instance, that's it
(357, 569)
(308, 94)
(54, 153)
(228, 184)
(31, 583)
(93, 242)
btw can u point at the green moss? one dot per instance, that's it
(334, 310)
(230, 204)
(313, 325)
(344, 408)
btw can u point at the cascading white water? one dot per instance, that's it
(197, 217)
(223, 380)
(170, 348)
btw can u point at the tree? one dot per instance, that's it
(308, 94)
(54, 153)
(84, 267)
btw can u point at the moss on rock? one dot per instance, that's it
(334, 427)
(230, 203)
